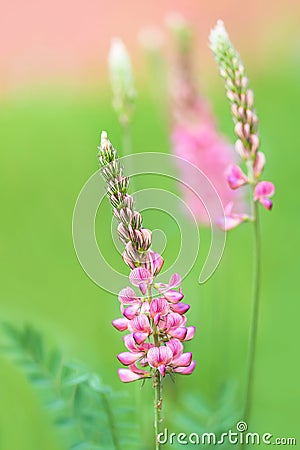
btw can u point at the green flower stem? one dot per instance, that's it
(254, 317)
(157, 385)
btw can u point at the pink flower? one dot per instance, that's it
(120, 324)
(127, 296)
(231, 220)
(179, 358)
(159, 307)
(132, 374)
(262, 192)
(154, 263)
(235, 177)
(186, 370)
(174, 326)
(140, 277)
(201, 145)
(140, 327)
(171, 295)
(128, 358)
(159, 358)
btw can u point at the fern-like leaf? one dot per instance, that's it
(91, 415)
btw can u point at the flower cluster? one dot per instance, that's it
(156, 321)
(157, 327)
(246, 127)
(195, 136)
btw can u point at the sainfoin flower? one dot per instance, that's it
(152, 313)
(246, 128)
(195, 136)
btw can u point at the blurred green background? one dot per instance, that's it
(48, 140)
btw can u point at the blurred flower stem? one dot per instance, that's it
(247, 146)
(157, 385)
(254, 315)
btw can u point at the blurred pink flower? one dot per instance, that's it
(262, 192)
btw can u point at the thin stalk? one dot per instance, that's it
(254, 317)
(157, 385)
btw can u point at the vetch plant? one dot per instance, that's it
(247, 146)
(195, 136)
(123, 89)
(155, 317)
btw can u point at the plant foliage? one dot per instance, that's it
(90, 415)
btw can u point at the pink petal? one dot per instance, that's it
(159, 355)
(186, 370)
(130, 342)
(162, 369)
(143, 288)
(180, 308)
(139, 323)
(126, 375)
(190, 333)
(158, 262)
(267, 203)
(175, 280)
(120, 324)
(235, 177)
(140, 275)
(259, 164)
(176, 347)
(173, 296)
(140, 337)
(228, 223)
(130, 311)
(178, 333)
(127, 296)
(264, 189)
(183, 360)
(159, 305)
(128, 358)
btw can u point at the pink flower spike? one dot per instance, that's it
(259, 164)
(120, 324)
(186, 370)
(235, 177)
(128, 358)
(140, 275)
(262, 192)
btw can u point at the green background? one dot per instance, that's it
(48, 151)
